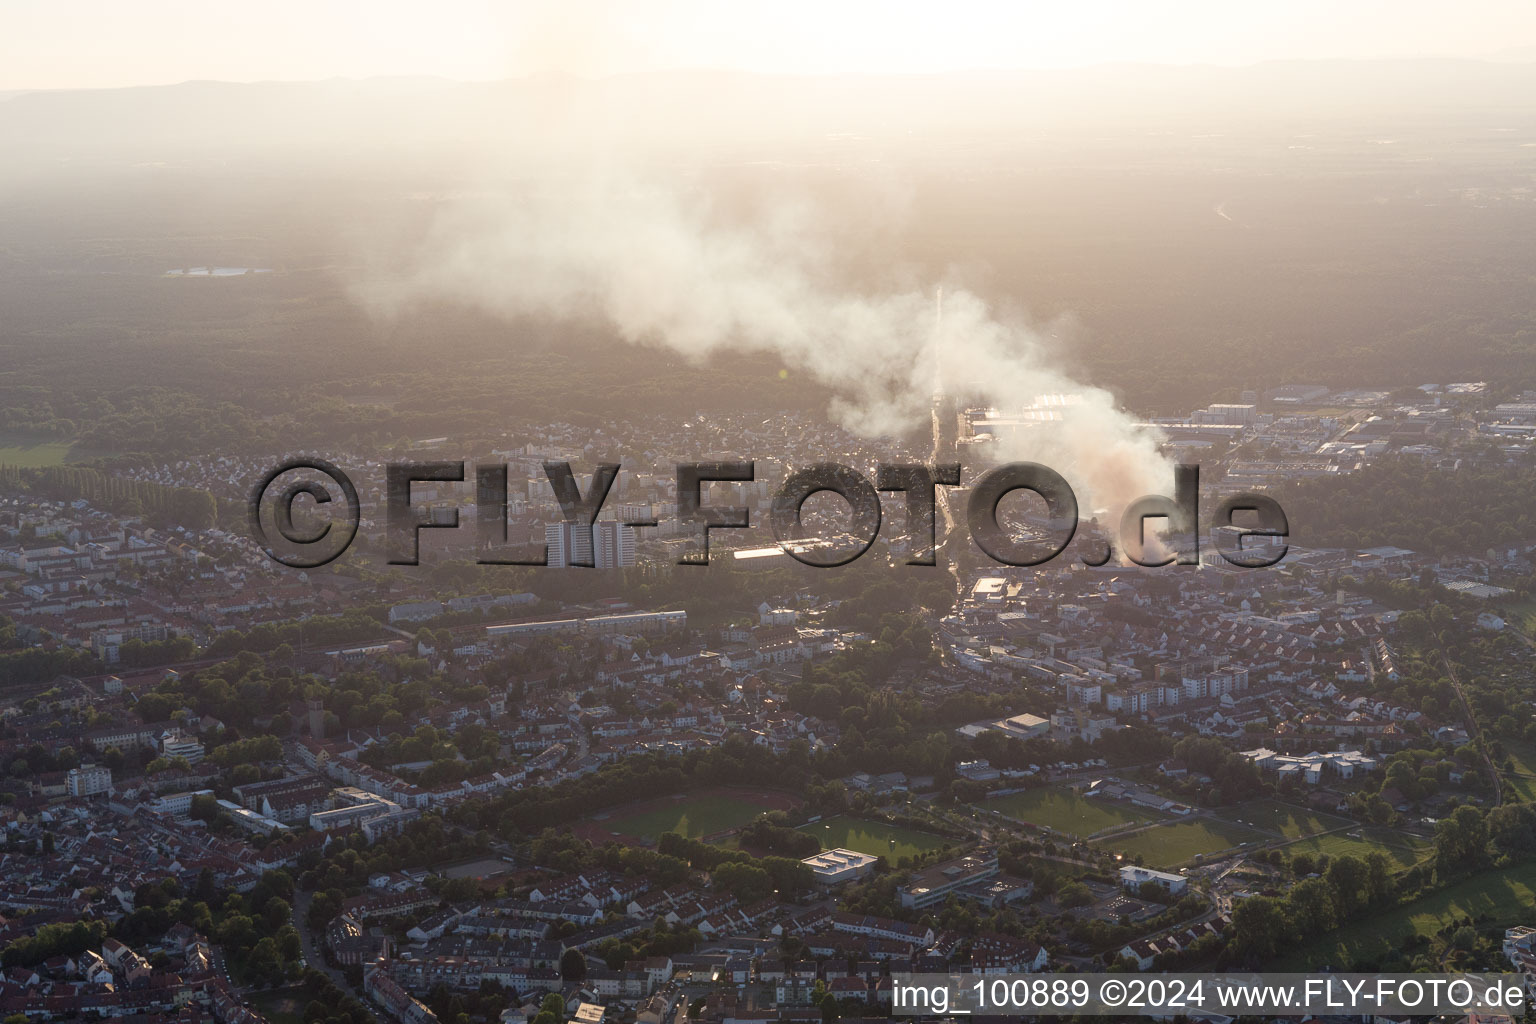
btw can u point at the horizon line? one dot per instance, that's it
(12, 92)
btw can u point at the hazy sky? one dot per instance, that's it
(100, 43)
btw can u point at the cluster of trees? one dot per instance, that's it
(748, 878)
(1461, 840)
(1396, 501)
(1233, 776)
(1335, 892)
(31, 664)
(236, 692)
(452, 1007)
(344, 868)
(330, 1004)
(322, 630)
(1348, 889)
(902, 644)
(468, 752)
(139, 654)
(38, 758)
(568, 853)
(551, 1010)
(1511, 830)
(535, 808)
(887, 728)
(1134, 744)
(1419, 774)
(248, 694)
(52, 940)
(658, 940)
(872, 594)
(19, 665)
(161, 505)
(247, 751)
(261, 945)
(884, 728)
(769, 834)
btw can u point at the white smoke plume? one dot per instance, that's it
(660, 265)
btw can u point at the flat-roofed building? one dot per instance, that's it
(936, 883)
(1024, 727)
(834, 867)
(1133, 877)
(89, 780)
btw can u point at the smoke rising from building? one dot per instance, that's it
(663, 266)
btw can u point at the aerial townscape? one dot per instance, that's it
(752, 790)
(534, 535)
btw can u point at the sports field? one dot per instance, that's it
(875, 838)
(1402, 849)
(1176, 842)
(1066, 811)
(696, 815)
(1505, 897)
(1287, 819)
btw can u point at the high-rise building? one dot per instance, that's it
(631, 513)
(89, 780)
(614, 543)
(610, 546)
(175, 743)
(567, 545)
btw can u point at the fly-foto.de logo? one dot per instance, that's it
(1155, 529)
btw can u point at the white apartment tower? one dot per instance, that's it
(88, 780)
(612, 545)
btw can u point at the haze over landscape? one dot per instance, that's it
(506, 244)
(1162, 232)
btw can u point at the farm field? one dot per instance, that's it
(1177, 842)
(1289, 820)
(1504, 896)
(1066, 811)
(696, 815)
(875, 838)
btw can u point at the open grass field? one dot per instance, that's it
(282, 1005)
(1402, 849)
(1522, 615)
(695, 815)
(32, 454)
(1505, 897)
(1066, 811)
(1178, 842)
(1522, 780)
(486, 867)
(875, 838)
(1287, 819)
